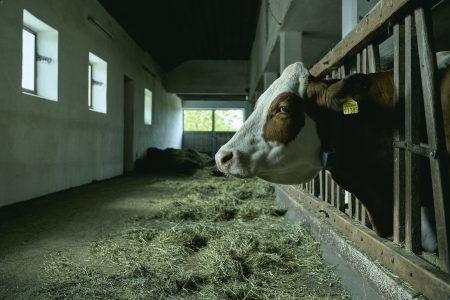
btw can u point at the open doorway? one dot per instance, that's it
(128, 124)
(206, 130)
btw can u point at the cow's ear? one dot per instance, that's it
(352, 86)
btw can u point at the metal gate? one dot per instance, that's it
(408, 23)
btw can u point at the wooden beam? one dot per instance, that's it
(376, 23)
(423, 276)
(412, 136)
(399, 154)
(435, 132)
(373, 56)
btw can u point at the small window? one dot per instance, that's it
(228, 119)
(97, 84)
(39, 58)
(29, 60)
(148, 107)
(90, 86)
(197, 120)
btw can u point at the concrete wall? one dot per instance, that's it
(270, 20)
(48, 146)
(209, 77)
(289, 30)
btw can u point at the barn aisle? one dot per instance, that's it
(171, 236)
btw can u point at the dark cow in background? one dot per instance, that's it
(299, 117)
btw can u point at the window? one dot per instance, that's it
(197, 120)
(29, 60)
(97, 84)
(228, 119)
(225, 120)
(148, 107)
(39, 58)
(90, 86)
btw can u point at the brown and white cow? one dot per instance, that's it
(299, 117)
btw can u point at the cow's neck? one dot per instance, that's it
(362, 142)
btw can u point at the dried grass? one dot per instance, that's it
(213, 238)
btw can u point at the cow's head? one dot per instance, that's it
(279, 142)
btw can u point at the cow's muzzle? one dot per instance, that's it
(224, 160)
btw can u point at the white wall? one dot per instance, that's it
(266, 37)
(311, 28)
(48, 146)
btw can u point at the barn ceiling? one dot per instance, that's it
(175, 31)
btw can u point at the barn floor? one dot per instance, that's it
(160, 237)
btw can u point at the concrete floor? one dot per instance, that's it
(66, 221)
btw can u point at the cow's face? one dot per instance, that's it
(279, 141)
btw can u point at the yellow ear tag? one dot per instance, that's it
(350, 107)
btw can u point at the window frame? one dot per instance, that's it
(225, 109)
(150, 107)
(34, 33)
(90, 87)
(97, 84)
(200, 109)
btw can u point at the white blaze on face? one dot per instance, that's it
(278, 142)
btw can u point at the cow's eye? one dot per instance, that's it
(283, 109)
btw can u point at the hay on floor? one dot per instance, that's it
(211, 238)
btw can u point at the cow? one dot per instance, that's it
(300, 117)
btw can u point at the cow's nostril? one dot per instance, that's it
(226, 157)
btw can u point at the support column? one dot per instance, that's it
(290, 48)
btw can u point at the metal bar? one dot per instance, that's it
(423, 276)
(399, 154)
(435, 132)
(421, 150)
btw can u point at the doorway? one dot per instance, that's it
(128, 124)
